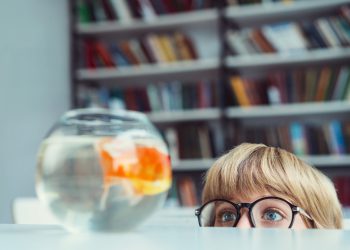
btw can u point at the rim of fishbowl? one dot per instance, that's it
(116, 117)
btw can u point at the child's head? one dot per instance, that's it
(251, 169)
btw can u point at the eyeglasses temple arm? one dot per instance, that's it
(303, 212)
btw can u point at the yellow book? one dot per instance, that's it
(167, 48)
(237, 86)
(157, 48)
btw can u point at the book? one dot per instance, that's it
(187, 191)
(83, 12)
(323, 83)
(298, 139)
(260, 41)
(341, 84)
(171, 138)
(147, 11)
(337, 140)
(104, 55)
(326, 31)
(122, 10)
(128, 52)
(109, 10)
(237, 85)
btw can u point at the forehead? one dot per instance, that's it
(249, 198)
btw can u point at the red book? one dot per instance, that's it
(169, 6)
(104, 55)
(89, 55)
(190, 46)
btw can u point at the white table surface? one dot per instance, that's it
(171, 234)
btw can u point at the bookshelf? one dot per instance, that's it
(184, 70)
(281, 11)
(184, 116)
(222, 119)
(171, 21)
(293, 110)
(265, 61)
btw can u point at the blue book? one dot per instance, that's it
(119, 56)
(337, 138)
(298, 139)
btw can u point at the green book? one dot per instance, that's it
(83, 12)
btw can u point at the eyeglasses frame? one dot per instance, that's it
(250, 206)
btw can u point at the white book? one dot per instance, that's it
(122, 9)
(235, 41)
(295, 38)
(137, 51)
(273, 35)
(285, 37)
(327, 32)
(274, 95)
(171, 137)
(153, 97)
(148, 13)
(165, 96)
(340, 34)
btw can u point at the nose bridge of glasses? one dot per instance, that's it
(244, 205)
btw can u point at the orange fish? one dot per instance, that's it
(147, 168)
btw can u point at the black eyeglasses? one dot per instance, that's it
(266, 212)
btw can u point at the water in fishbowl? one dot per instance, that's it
(93, 183)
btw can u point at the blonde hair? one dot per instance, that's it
(256, 168)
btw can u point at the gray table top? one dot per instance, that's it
(176, 236)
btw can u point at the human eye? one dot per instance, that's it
(225, 217)
(272, 215)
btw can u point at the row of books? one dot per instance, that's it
(291, 37)
(302, 139)
(154, 97)
(323, 84)
(185, 190)
(152, 48)
(125, 11)
(190, 141)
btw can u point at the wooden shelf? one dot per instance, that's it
(184, 115)
(258, 14)
(183, 70)
(193, 164)
(165, 22)
(336, 108)
(266, 61)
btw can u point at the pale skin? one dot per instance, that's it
(244, 220)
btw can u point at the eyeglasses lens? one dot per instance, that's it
(272, 213)
(218, 214)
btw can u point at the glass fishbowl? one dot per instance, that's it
(99, 170)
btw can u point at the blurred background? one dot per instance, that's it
(209, 74)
